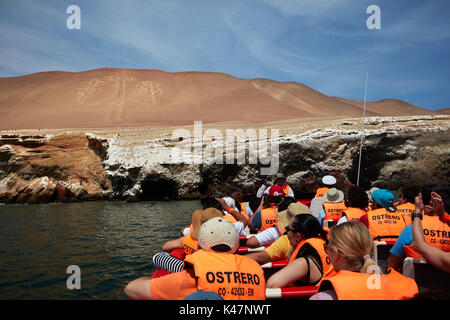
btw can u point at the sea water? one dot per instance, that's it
(112, 243)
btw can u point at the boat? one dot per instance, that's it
(291, 292)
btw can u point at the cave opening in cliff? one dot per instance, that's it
(217, 176)
(158, 189)
(370, 168)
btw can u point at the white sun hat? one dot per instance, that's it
(329, 180)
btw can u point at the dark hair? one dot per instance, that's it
(254, 203)
(210, 202)
(308, 226)
(284, 204)
(409, 193)
(237, 205)
(357, 197)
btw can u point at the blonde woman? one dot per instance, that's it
(357, 276)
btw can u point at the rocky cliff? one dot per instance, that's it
(139, 163)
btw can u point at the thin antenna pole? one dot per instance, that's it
(362, 129)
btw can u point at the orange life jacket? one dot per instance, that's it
(350, 285)
(232, 276)
(436, 233)
(385, 225)
(405, 210)
(286, 189)
(353, 214)
(229, 217)
(244, 211)
(269, 218)
(321, 192)
(317, 244)
(190, 244)
(333, 210)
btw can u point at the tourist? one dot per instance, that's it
(405, 206)
(356, 276)
(214, 267)
(438, 254)
(266, 221)
(280, 248)
(436, 231)
(328, 182)
(189, 242)
(384, 223)
(357, 205)
(369, 195)
(279, 180)
(333, 206)
(308, 261)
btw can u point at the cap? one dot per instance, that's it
(333, 195)
(279, 176)
(329, 180)
(201, 216)
(293, 209)
(218, 231)
(384, 198)
(276, 191)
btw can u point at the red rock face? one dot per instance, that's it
(62, 168)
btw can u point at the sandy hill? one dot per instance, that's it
(443, 111)
(126, 97)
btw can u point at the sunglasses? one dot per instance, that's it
(288, 229)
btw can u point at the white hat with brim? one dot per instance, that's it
(217, 231)
(293, 209)
(333, 195)
(278, 176)
(329, 180)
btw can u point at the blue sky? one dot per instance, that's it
(324, 44)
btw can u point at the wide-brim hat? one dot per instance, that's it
(201, 216)
(333, 195)
(293, 209)
(217, 231)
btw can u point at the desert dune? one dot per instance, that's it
(111, 97)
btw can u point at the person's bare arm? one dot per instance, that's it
(434, 256)
(139, 289)
(173, 244)
(395, 262)
(296, 270)
(261, 257)
(237, 215)
(253, 242)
